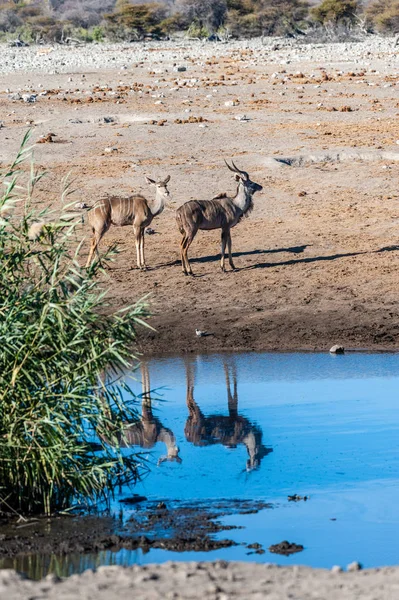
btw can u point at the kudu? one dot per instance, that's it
(148, 431)
(222, 212)
(136, 211)
(230, 430)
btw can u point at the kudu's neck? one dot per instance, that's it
(243, 198)
(157, 205)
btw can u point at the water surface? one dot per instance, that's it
(265, 426)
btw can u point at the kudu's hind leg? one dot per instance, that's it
(185, 246)
(224, 240)
(95, 240)
(183, 265)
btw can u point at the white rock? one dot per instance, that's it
(336, 569)
(354, 566)
(337, 349)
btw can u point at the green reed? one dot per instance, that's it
(58, 336)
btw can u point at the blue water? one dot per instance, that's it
(318, 425)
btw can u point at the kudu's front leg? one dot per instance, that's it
(136, 231)
(142, 259)
(229, 251)
(224, 240)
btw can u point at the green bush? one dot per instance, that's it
(266, 17)
(97, 33)
(335, 11)
(384, 15)
(135, 19)
(58, 339)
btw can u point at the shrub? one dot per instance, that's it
(135, 19)
(204, 14)
(58, 337)
(266, 17)
(384, 15)
(335, 11)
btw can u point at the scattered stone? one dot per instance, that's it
(81, 205)
(285, 548)
(242, 118)
(296, 498)
(149, 231)
(110, 149)
(29, 97)
(354, 566)
(336, 569)
(18, 44)
(180, 69)
(46, 139)
(107, 120)
(337, 349)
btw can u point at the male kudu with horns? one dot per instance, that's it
(229, 430)
(222, 212)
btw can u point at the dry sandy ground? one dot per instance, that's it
(317, 260)
(213, 581)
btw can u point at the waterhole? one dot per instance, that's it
(296, 447)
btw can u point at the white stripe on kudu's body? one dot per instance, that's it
(222, 212)
(136, 211)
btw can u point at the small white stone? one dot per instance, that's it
(337, 349)
(336, 569)
(354, 566)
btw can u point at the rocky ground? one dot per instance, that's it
(213, 581)
(316, 260)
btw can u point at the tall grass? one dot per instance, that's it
(57, 340)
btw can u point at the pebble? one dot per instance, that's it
(354, 566)
(336, 569)
(337, 349)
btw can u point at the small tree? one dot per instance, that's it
(138, 19)
(384, 15)
(335, 12)
(266, 17)
(209, 14)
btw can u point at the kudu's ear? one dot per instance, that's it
(167, 180)
(150, 181)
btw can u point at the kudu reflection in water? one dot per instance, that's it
(148, 430)
(230, 430)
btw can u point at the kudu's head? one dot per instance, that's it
(160, 186)
(172, 456)
(242, 177)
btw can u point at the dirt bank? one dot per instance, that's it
(317, 259)
(214, 581)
